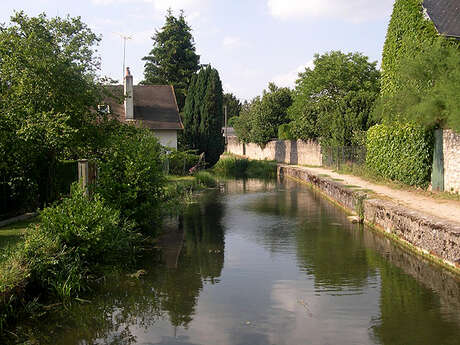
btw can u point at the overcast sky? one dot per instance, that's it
(250, 42)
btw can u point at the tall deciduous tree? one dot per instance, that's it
(333, 101)
(173, 59)
(47, 86)
(259, 122)
(203, 117)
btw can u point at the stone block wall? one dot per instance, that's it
(431, 235)
(451, 148)
(296, 152)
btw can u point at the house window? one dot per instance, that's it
(103, 109)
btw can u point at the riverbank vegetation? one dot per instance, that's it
(49, 118)
(232, 166)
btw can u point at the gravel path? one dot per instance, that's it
(447, 209)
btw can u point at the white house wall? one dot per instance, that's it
(167, 137)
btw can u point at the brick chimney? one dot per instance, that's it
(128, 90)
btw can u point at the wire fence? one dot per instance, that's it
(344, 157)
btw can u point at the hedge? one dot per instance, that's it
(401, 152)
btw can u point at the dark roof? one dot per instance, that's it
(155, 106)
(445, 15)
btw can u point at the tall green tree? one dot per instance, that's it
(173, 59)
(333, 101)
(48, 85)
(259, 122)
(203, 115)
(233, 105)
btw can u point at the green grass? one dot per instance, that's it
(206, 179)
(11, 235)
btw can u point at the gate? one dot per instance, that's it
(437, 174)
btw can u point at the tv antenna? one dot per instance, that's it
(124, 38)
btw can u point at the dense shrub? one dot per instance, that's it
(131, 176)
(71, 241)
(400, 152)
(180, 162)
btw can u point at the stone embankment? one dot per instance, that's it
(434, 237)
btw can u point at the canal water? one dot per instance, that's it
(267, 263)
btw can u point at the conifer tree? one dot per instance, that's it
(173, 59)
(203, 115)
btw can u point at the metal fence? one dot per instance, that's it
(344, 157)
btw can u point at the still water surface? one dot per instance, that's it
(269, 263)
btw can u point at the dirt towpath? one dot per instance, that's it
(446, 209)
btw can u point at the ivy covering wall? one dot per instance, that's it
(401, 152)
(409, 30)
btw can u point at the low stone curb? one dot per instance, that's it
(432, 236)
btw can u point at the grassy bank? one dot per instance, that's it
(12, 234)
(232, 166)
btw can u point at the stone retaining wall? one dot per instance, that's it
(295, 152)
(451, 148)
(433, 236)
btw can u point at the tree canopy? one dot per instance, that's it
(48, 85)
(233, 105)
(259, 121)
(333, 101)
(173, 59)
(203, 115)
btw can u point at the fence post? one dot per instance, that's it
(83, 174)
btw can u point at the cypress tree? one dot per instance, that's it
(188, 134)
(203, 115)
(211, 139)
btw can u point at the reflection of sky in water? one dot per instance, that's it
(295, 272)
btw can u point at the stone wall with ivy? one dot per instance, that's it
(408, 31)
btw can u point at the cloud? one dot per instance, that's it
(192, 7)
(232, 42)
(288, 79)
(350, 10)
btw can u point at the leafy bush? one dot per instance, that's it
(400, 152)
(72, 240)
(131, 176)
(180, 162)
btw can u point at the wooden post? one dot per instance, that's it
(225, 112)
(83, 174)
